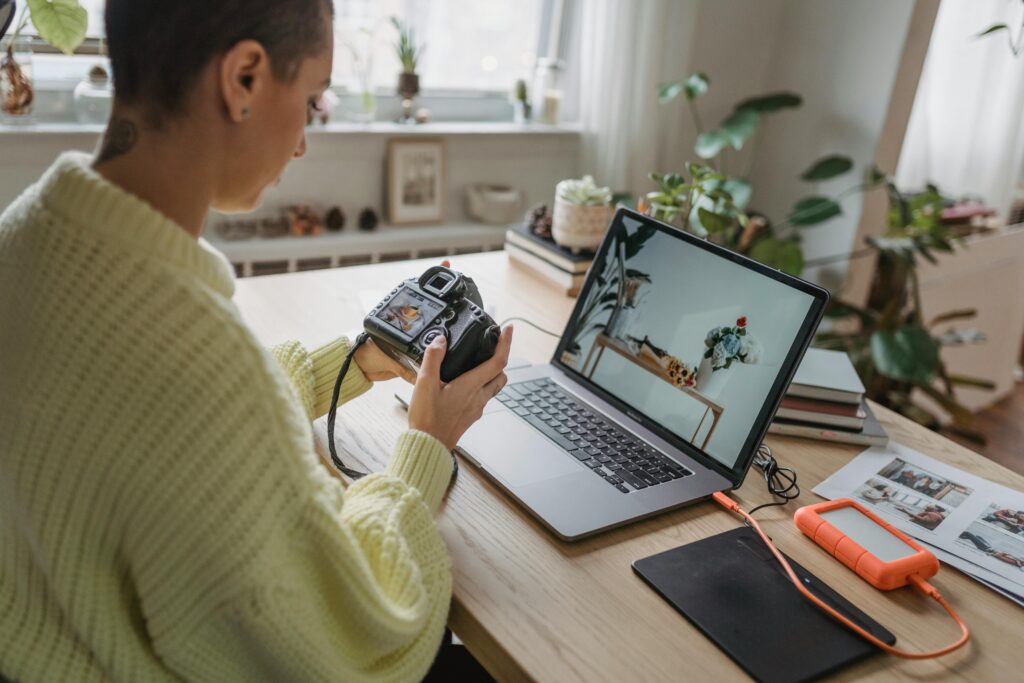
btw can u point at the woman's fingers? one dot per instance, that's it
(430, 368)
(493, 388)
(490, 368)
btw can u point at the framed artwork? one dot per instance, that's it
(416, 181)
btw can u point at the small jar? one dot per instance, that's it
(547, 91)
(94, 97)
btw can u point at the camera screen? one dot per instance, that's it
(409, 312)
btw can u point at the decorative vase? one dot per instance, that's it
(521, 112)
(494, 204)
(710, 381)
(579, 226)
(621, 322)
(16, 88)
(408, 88)
(94, 97)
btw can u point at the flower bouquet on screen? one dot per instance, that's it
(726, 345)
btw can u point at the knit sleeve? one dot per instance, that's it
(312, 373)
(356, 589)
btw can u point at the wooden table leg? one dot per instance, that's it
(693, 439)
(586, 363)
(714, 423)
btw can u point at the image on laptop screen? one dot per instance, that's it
(691, 339)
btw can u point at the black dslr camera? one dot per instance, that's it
(441, 301)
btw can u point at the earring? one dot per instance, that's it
(245, 112)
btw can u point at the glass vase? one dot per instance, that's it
(17, 91)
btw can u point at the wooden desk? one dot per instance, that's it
(532, 607)
(603, 341)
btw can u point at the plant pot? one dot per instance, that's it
(710, 381)
(16, 88)
(494, 204)
(408, 85)
(580, 227)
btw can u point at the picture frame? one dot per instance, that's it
(416, 181)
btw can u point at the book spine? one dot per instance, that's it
(825, 434)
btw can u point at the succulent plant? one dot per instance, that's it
(583, 192)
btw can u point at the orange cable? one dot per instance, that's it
(919, 583)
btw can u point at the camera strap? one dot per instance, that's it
(332, 414)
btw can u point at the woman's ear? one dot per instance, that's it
(244, 70)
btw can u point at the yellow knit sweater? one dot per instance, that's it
(163, 515)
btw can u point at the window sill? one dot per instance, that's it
(341, 128)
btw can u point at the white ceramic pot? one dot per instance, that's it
(710, 381)
(580, 227)
(494, 204)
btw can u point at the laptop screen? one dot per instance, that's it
(698, 340)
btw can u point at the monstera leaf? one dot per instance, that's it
(907, 354)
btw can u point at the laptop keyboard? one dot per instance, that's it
(618, 457)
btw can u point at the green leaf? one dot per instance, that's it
(61, 23)
(814, 210)
(875, 177)
(992, 29)
(696, 84)
(740, 125)
(828, 167)
(907, 354)
(786, 255)
(710, 144)
(669, 91)
(768, 104)
(714, 222)
(740, 191)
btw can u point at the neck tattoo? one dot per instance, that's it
(120, 137)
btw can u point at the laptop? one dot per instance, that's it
(665, 380)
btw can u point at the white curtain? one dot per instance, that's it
(966, 130)
(627, 49)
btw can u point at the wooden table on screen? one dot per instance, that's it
(531, 607)
(603, 341)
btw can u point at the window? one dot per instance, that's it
(469, 44)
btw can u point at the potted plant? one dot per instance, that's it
(61, 24)
(712, 203)
(581, 214)
(726, 345)
(895, 350)
(409, 54)
(521, 109)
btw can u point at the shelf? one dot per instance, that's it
(339, 128)
(386, 243)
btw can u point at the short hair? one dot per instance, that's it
(159, 47)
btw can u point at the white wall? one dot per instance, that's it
(347, 169)
(842, 57)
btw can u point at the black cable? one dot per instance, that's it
(531, 324)
(781, 481)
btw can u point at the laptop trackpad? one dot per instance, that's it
(514, 451)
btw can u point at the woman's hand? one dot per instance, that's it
(379, 366)
(446, 411)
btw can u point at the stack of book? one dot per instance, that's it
(825, 401)
(543, 257)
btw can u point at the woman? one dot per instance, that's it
(163, 515)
